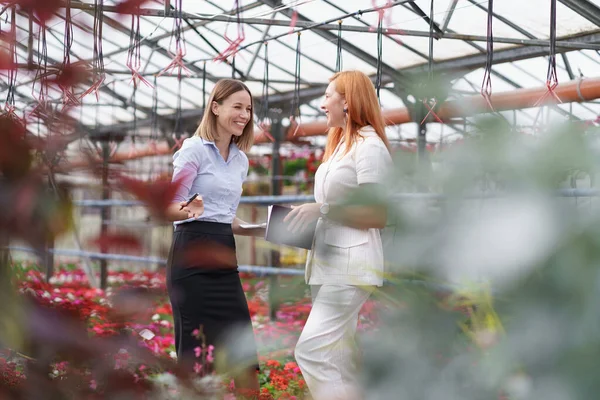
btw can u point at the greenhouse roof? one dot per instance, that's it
(208, 29)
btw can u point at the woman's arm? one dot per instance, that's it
(238, 230)
(363, 216)
(174, 214)
(180, 211)
(360, 217)
(186, 166)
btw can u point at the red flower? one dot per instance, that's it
(42, 9)
(70, 75)
(157, 195)
(273, 364)
(6, 60)
(116, 241)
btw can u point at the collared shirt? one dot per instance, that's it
(201, 169)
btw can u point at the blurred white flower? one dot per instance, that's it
(519, 386)
(497, 240)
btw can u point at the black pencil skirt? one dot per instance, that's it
(206, 294)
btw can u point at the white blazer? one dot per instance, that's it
(341, 254)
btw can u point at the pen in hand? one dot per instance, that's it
(189, 201)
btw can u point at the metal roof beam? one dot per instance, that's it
(449, 14)
(458, 65)
(90, 8)
(364, 23)
(347, 46)
(324, 29)
(471, 62)
(585, 8)
(505, 20)
(287, 46)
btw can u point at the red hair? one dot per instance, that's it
(363, 110)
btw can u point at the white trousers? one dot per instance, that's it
(325, 351)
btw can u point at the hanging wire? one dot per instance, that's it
(180, 44)
(338, 59)
(430, 59)
(379, 57)
(9, 106)
(98, 58)
(296, 100)
(234, 44)
(68, 42)
(264, 119)
(486, 87)
(178, 131)
(204, 86)
(42, 68)
(42, 109)
(265, 88)
(178, 28)
(154, 114)
(551, 76)
(66, 85)
(134, 59)
(134, 106)
(426, 100)
(153, 126)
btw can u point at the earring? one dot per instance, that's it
(345, 110)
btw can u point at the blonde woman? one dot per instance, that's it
(203, 281)
(346, 261)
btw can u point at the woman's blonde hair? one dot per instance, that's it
(363, 110)
(208, 126)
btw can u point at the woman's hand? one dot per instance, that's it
(302, 216)
(195, 208)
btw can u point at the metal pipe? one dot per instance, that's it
(573, 91)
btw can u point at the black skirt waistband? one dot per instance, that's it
(215, 228)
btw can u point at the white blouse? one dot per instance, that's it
(341, 254)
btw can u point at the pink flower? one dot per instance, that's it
(197, 368)
(209, 355)
(93, 384)
(197, 351)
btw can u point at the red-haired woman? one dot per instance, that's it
(346, 261)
